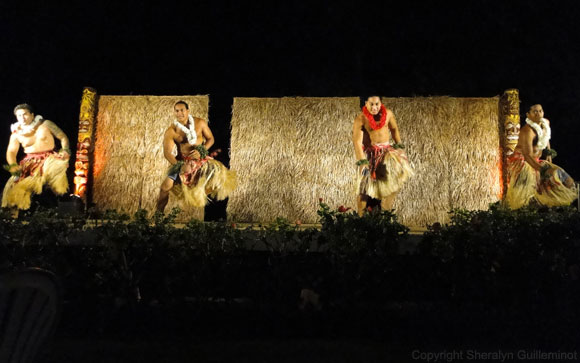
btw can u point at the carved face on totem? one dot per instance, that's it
(83, 146)
(84, 126)
(512, 104)
(81, 168)
(373, 104)
(512, 130)
(85, 113)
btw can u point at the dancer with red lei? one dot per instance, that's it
(382, 161)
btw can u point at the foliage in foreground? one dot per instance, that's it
(528, 256)
(499, 258)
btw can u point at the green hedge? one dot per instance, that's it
(523, 259)
(499, 258)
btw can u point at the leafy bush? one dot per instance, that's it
(508, 258)
(500, 258)
(360, 252)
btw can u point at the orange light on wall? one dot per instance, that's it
(500, 168)
(84, 142)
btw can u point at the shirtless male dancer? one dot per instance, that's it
(383, 165)
(532, 179)
(194, 174)
(41, 166)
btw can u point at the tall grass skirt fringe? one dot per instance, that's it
(388, 170)
(526, 185)
(37, 170)
(201, 179)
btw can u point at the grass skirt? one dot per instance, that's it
(525, 185)
(200, 179)
(37, 170)
(389, 169)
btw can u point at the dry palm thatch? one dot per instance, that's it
(129, 165)
(289, 152)
(454, 145)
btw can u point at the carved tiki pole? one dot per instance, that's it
(510, 116)
(85, 140)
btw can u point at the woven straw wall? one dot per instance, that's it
(454, 144)
(288, 152)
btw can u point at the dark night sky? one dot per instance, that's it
(309, 48)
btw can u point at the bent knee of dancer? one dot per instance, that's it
(566, 179)
(166, 186)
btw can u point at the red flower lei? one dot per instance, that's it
(372, 122)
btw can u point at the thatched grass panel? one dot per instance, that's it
(262, 158)
(325, 154)
(128, 158)
(476, 163)
(454, 146)
(118, 154)
(288, 153)
(425, 197)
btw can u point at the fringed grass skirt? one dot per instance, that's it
(389, 169)
(525, 184)
(201, 179)
(37, 170)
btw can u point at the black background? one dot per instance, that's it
(267, 49)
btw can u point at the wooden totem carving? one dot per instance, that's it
(510, 115)
(85, 140)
